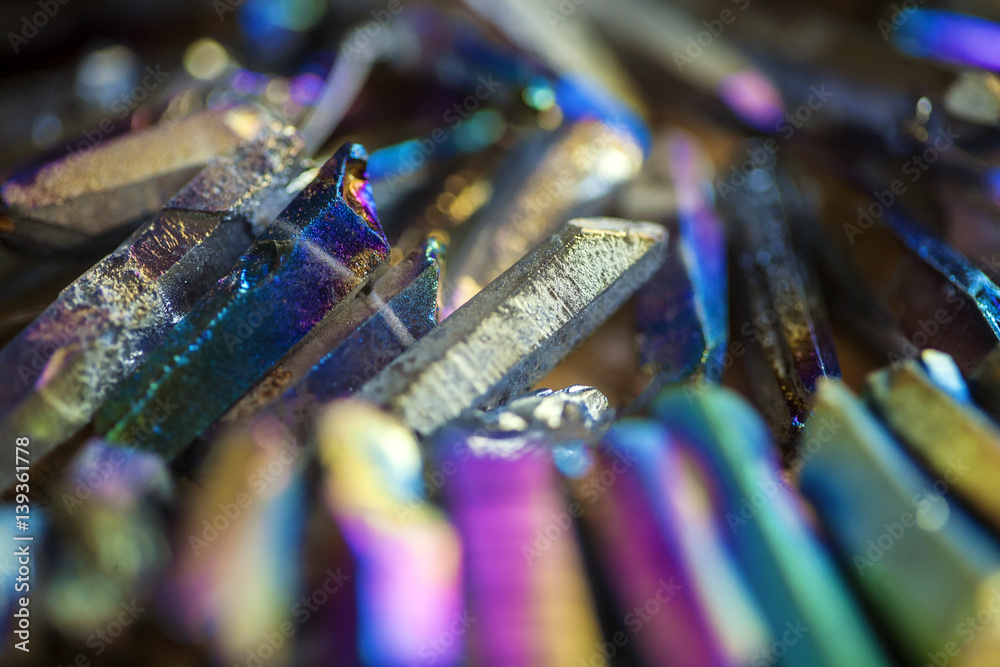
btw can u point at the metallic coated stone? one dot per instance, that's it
(922, 565)
(791, 342)
(522, 325)
(342, 353)
(793, 575)
(62, 366)
(307, 266)
(941, 432)
(81, 198)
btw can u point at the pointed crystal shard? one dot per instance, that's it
(790, 342)
(582, 163)
(63, 365)
(531, 601)
(307, 266)
(522, 324)
(237, 563)
(682, 313)
(343, 353)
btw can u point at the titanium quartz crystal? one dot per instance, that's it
(793, 575)
(921, 562)
(343, 353)
(790, 341)
(941, 431)
(61, 368)
(572, 173)
(404, 546)
(528, 592)
(209, 593)
(651, 521)
(522, 324)
(307, 266)
(77, 201)
(682, 317)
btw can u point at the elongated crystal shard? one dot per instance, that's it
(409, 572)
(530, 598)
(921, 563)
(941, 432)
(793, 575)
(661, 540)
(522, 324)
(682, 313)
(63, 366)
(307, 266)
(89, 195)
(343, 353)
(584, 162)
(791, 342)
(237, 564)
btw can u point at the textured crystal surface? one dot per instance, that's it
(63, 366)
(306, 266)
(522, 324)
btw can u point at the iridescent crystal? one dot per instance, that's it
(921, 563)
(61, 368)
(307, 266)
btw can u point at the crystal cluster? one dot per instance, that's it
(637, 335)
